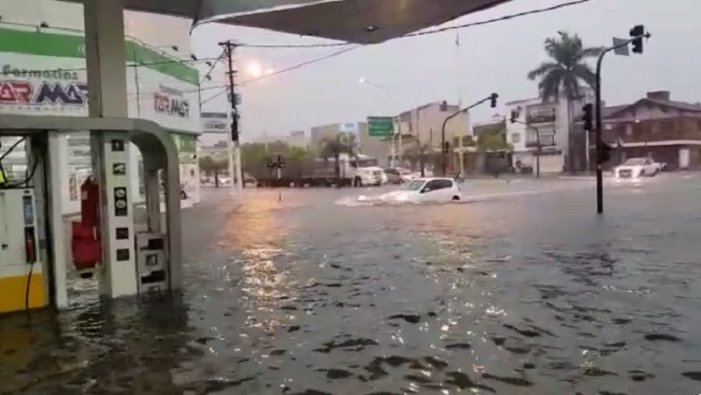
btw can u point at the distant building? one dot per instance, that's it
(669, 131)
(368, 145)
(423, 124)
(329, 131)
(560, 150)
(298, 139)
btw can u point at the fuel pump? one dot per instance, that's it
(22, 278)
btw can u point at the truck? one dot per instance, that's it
(356, 170)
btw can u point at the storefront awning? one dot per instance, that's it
(358, 21)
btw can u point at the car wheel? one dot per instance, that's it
(455, 198)
(357, 182)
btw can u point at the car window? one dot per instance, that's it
(648, 161)
(634, 162)
(444, 184)
(435, 185)
(414, 185)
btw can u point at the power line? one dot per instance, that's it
(180, 61)
(428, 32)
(211, 68)
(349, 47)
(498, 19)
(285, 70)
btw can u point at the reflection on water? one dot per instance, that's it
(529, 294)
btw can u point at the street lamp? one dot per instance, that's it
(393, 148)
(256, 70)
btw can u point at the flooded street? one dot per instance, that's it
(520, 289)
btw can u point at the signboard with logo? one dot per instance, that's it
(43, 73)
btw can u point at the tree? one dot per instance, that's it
(213, 166)
(343, 143)
(561, 75)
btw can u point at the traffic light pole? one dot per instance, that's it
(493, 97)
(599, 122)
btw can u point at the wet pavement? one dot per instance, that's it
(521, 289)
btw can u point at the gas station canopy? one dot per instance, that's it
(358, 21)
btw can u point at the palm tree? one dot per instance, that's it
(561, 75)
(343, 143)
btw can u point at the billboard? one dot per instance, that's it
(41, 79)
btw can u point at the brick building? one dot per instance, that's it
(668, 131)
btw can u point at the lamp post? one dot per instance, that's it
(393, 149)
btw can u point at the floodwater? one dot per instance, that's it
(523, 290)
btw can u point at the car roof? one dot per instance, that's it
(434, 178)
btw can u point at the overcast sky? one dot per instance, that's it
(491, 58)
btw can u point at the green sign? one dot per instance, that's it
(380, 126)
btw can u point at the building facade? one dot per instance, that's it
(423, 125)
(42, 72)
(658, 127)
(561, 146)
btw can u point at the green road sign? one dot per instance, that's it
(380, 126)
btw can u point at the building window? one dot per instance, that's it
(515, 138)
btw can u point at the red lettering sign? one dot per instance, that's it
(13, 92)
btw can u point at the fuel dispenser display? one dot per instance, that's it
(151, 263)
(22, 278)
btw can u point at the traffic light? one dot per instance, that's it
(446, 147)
(604, 153)
(493, 98)
(588, 117)
(637, 33)
(514, 116)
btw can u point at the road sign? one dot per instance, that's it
(380, 126)
(622, 49)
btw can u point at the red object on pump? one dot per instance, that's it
(90, 203)
(85, 243)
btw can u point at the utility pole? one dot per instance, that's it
(234, 141)
(603, 151)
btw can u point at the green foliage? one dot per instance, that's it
(333, 147)
(493, 141)
(566, 68)
(209, 165)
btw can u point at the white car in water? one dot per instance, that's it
(425, 190)
(637, 167)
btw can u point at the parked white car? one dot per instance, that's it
(368, 176)
(637, 167)
(425, 190)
